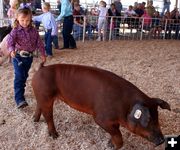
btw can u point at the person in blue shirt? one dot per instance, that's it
(50, 27)
(67, 15)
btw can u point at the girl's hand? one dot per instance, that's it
(43, 58)
(13, 54)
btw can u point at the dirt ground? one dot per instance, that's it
(153, 66)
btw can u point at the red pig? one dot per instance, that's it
(110, 99)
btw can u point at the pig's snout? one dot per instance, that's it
(157, 140)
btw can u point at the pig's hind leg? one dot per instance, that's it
(113, 129)
(47, 111)
(37, 114)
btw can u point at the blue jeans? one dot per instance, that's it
(67, 30)
(77, 31)
(55, 41)
(21, 75)
(48, 43)
(165, 7)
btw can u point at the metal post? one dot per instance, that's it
(165, 29)
(84, 28)
(1, 9)
(110, 32)
(142, 29)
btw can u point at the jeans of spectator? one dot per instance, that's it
(89, 29)
(48, 42)
(21, 74)
(168, 31)
(165, 7)
(55, 41)
(68, 39)
(177, 28)
(37, 24)
(77, 31)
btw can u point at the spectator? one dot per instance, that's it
(129, 15)
(156, 25)
(102, 20)
(36, 4)
(14, 4)
(166, 6)
(150, 8)
(143, 5)
(112, 11)
(67, 14)
(139, 10)
(147, 20)
(176, 25)
(92, 22)
(118, 6)
(135, 5)
(78, 22)
(6, 7)
(166, 22)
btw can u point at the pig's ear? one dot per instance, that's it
(139, 114)
(162, 103)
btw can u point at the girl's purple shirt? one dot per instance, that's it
(27, 39)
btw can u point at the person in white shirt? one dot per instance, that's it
(129, 12)
(102, 20)
(129, 15)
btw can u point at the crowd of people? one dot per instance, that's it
(138, 16)
(92, 19)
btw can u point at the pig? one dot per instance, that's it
(4, 53)
(110, 99)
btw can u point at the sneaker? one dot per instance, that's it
(22, 104)
(98, 39)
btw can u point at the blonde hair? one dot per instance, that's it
(25, 12)
(46, 6)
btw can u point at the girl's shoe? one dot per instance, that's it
(22, 104)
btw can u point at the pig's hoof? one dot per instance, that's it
(54, 135)
(112, 146)
(35, 119)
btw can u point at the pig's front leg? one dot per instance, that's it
(113, 129)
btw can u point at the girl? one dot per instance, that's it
(22, 42)
(102, 20)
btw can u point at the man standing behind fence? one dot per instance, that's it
(67, 14)
(118, 6)
(166, 6)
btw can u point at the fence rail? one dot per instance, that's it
(120, 28)
(131, 28)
